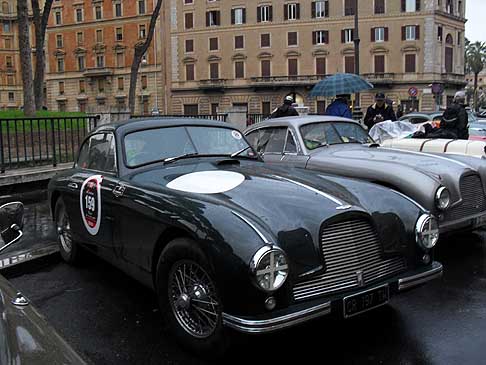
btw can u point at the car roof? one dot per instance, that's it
(132, 125)
(298, 121)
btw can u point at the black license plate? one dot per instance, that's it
(369, 299)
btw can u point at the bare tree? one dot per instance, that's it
(40, 24)
(139, 50)
(25, 57)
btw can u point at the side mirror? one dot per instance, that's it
(11, 223)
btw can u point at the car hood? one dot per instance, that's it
(26, 338)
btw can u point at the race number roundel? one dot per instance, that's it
(90, 203)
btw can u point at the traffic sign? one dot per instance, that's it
(437, 88)
(413, 91)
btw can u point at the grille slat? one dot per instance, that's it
(473, 199)
(349, 247)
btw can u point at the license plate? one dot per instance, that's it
(480, 221)
(364, 301)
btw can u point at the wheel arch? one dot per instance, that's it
(56, 194)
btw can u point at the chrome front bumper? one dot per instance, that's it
(248, 325)
(469, 222)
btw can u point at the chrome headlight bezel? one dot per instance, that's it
(427, 232)
(442, 198)
(280, 272)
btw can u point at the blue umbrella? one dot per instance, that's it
(340, 84)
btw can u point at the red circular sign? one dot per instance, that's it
(413, 91)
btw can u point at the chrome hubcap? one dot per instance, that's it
(193, 299)
(64, 232)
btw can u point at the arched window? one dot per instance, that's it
(5, 7)
(449, 54)
(449, 39)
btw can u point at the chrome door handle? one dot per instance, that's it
(118, 191)
(72, 185)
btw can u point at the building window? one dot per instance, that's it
(320, 9)
(379, 6)
(321, 107)
(61, 87)
(292, 68)
(239, 70)
(10, 80)
(9, 61)
(239, 42)
(121, 83)
(119, 34)
(190, 72)
(459, 39)
(320, 37)
(61, 106)
(188, 2)
(349, 7)
(101, 85)
(189, 47)
(79, 15)
(410, 5)
(264, 13)
(238, 16)
(320, 66)
(265, 68)
(379, 64)
(79, 38)
(81, 63)
(142, 31)
(292, 11)
(58, 17)
(439, 33)
(191, 109)
(8, 43)
(82, 106)
(379, 34)
(188, 21)
(410, 33)
(98, 12)
(100, 61)
(265, 40)
(349, 64)
(141, 7)
(266, 108)
(347, 36)
(213, 44)
(99, 36)
(214, 108)
(11, 97)
(214, 71)
(120, 59)
(60, 65)
(292, 39)
(82, 86)
(213, 18)
(118, 10)
(410, 64)
(144, 81)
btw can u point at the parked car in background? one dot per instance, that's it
(451, 187)
(186, 207)
(434, 117)
(25, 336)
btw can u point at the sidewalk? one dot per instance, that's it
(31, 174)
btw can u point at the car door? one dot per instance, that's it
(91, 191)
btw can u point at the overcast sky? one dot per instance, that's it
(476, 19)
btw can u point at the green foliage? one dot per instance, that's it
(475, 56)
(44, 114)
(15, 122)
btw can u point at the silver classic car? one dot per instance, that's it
(449, 186)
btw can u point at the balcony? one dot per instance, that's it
(8, 15)
(212, 85)
(98, 72)
(277, 81)
(380, 78)
(452, 78)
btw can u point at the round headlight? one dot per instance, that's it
(270, 268)
(427, 231)
(442, 198)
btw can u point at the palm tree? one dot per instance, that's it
(475, 62)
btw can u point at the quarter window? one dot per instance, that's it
(98, 153)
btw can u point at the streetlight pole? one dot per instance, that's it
(357, 107)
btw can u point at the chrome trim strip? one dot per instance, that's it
(460, 220)
(277, 323)
(257, 231)
(310, 272)
(411, 281)
(328, 196)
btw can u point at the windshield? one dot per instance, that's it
(153, 145)
(327, 133)
(471, 116)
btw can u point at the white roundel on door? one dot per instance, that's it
(90, 203)
(207, 182)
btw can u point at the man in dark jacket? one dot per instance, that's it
(285, 110)
(379, 112)
(340, 107)
(454, 122)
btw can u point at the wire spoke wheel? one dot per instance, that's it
(193, 299)
(64, 230)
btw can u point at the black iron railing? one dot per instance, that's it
(218, 117)
(252, 118)
(31, 142)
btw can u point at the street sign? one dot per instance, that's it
(413, 91)
(437, 88)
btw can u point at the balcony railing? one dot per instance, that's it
(453, 77)
(98, 72)
(212, 83)
(287, 80)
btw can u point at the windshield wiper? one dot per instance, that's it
(240, 151)
(180, 157)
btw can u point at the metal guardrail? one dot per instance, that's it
(218, 117)
(31, 142)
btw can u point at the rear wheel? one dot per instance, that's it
(68, 248)
(189, 298)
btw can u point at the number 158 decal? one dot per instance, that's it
(90, 203)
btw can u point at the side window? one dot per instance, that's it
(290, 145)
(272, 140)
(98, 153)
(252, 138)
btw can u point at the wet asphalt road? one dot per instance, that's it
(111, 319)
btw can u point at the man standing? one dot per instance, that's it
(340, 107)
(379, 112)
(455, 120)
(285, 110)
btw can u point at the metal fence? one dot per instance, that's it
(218, 117)
(255, 118)
(30, 142)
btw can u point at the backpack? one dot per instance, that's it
(450, 116)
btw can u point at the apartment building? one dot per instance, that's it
(90, 47)
(251, 54)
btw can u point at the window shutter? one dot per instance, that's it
(386, 34)
(244, 15)
(404, 6)
(232, 16)
(326, 36)
(218, 18)
(298, 11)
(417, 5)
(326, 8)
(314, 37)
(404, 34)
(270, 13)
(373, 38)
(207, 19)
(313, 9)
(259, 14)
(417, 32)
(286, 12)
(343, 36)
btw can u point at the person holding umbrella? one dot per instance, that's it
(379, 112)
(340, 107)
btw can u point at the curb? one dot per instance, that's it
(22, 262)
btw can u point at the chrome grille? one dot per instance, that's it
(473, 200)
(348, 248)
